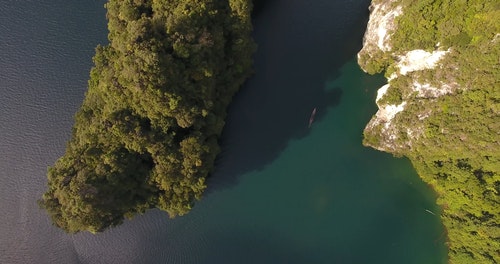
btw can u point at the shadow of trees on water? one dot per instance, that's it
(299, 49)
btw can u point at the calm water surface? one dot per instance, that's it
(281, 193)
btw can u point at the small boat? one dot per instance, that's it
(311, 119)
(430, 212)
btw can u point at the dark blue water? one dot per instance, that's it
(281, 193)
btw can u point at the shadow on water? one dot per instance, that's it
(300, 46)
(258, 6)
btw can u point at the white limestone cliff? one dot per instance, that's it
(394, 137)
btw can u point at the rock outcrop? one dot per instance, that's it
(386, 132)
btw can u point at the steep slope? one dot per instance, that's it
(441, 109)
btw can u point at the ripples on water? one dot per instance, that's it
(45, 57)
(252, 212)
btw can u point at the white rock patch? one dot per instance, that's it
(427, 91)
(417, 60)
(381, 91)
(388, 112)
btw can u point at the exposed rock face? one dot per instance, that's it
(392, 100)
(417, 60)
(381, 25)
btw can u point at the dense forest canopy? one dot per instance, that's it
(452, 134)
(146, 133)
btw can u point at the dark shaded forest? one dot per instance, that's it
(146, 135)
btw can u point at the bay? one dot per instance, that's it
(281, 193)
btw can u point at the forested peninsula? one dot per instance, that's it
(441, 109)
(146, 134)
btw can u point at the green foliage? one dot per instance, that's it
(374, 63)
(448, 22)
(455, 145)
(393, 96)
(146, 133)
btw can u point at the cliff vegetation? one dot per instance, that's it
(441, 109)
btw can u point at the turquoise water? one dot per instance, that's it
(281, 192)
(324, 199)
